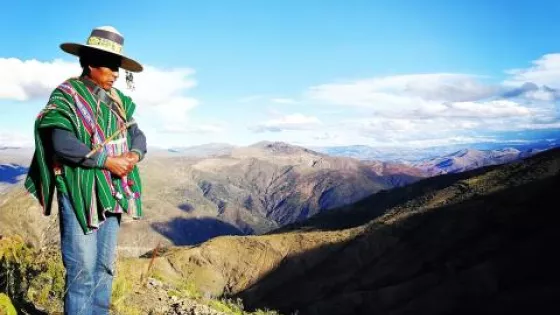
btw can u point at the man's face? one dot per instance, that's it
(105, 75)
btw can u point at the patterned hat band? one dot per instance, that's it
(108, 39)
(105, 44)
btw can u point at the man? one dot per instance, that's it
(87, 149)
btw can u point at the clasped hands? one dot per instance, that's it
(122, 164)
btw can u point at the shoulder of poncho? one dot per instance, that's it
(125, 98)
(67, 85)
(127, 103)
(61, 94)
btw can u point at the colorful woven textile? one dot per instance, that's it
(93, 191)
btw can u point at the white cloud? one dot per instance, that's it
(13, 139)
(405, 110)
(435, 108)
(402, 91)
(160, 94)
(541, 95)
(159, 86)
(544, 71)
(289, 122)
(172, 111)
(489, 109)
(408, 130)
(22, 80)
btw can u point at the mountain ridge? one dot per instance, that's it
(479, 241)
(408, 257)
(253, 190)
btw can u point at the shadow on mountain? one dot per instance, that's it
(193, 231)
(488, 254)
(186, 207)
(10, 173)
(376, 205)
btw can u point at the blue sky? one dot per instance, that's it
(411, 73)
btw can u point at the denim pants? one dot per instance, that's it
(88, 260)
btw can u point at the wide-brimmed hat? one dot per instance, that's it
(106, 39)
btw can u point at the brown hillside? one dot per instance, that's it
(478, 242)
(248, 190)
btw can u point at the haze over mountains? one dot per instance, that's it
(420, 154)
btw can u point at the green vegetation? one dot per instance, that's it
(6, 307)
(186, 290)
(30, 276)
(235, 307)
(122, 288)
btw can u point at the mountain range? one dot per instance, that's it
(469, 159)
(197, 193)
(476, 241)
(413, 154)
(247, 190)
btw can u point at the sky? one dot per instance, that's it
(314, 73)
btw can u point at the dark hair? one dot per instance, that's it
(96, 58)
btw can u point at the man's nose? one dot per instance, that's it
(116, 74)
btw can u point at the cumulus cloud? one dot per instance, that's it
(160, 94)
(22, 80)
(544, 71)
(402, 91)
(159, 86)
(489, 109)
(289, 122)
(418, 108)
(531, 91)
(540, 82)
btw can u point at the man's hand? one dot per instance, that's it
(132, 157)
(119, 165)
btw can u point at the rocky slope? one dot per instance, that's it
(478, 242)
(249, 190)
(32, 282)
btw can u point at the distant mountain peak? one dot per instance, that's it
(467, 159)
(282, 147)
(465, 152)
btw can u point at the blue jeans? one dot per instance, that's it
(88, 260)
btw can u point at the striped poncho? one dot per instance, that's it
(92, 191)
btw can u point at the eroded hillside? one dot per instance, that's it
(244, 191)
(477, 242)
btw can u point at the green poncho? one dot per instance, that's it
(93, 191)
